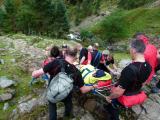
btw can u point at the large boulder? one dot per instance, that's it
(5, 97)
(5, 82)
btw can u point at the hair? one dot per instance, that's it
(78, 46)
(64, 46)
(138, 45)
(55, 52)
(71, 52)
(90, 47)
(96, 45)
(138, 34)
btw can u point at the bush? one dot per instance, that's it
(86, 35)
(130, 4)
(111, 28)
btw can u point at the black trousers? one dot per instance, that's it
(68, 108)
(113, 109)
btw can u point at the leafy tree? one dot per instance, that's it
(26, 19)
(58, 20)
(2, 18)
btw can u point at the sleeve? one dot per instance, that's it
(127, 76)
(78, 80)
(47, 68)
(112, 61)
(102, 58)
(81, 54)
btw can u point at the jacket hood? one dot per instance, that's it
(143, 38)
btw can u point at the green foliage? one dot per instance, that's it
(2, 17)
(36, 17)
(86, 35)
(123, 24)
(143, 20)
(26, 19)
(59, 23)
(10, 18)
(111, 28)
(130, 4)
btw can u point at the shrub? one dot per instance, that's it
(112, 28)
(130, 4)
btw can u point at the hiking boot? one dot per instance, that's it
(155, 90)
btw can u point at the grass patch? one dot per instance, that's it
(119, 56)
(39, 111)
(136, 20)
(2, 45)
(11, 71)
(42, 42)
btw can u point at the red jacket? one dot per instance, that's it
(150, 55)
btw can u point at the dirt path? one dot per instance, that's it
(92, 20)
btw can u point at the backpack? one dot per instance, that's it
(60, 86)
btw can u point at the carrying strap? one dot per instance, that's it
(62, 65)
(97, 55)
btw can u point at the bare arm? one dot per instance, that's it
(110, 69)
(37, 73)
(114, 66)
(82, 59)
(116, 93)
(86, 89)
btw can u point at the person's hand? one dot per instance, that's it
(34, 74)
(108, 99)
(95, 86)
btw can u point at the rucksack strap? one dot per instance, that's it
(62, 65)
(97, 55)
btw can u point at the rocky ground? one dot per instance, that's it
(18, 100)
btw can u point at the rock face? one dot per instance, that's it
(5, 97)
(5, 82)
(28, 106)
(6, 106)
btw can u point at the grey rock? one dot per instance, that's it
(14, 115)
(11, 91)
(1, 61)
(5, 97)
(24, 99)
(27, 106)
(5, 82)
(152, 108)
(6, 106)
(87, 116)
(13, 60)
